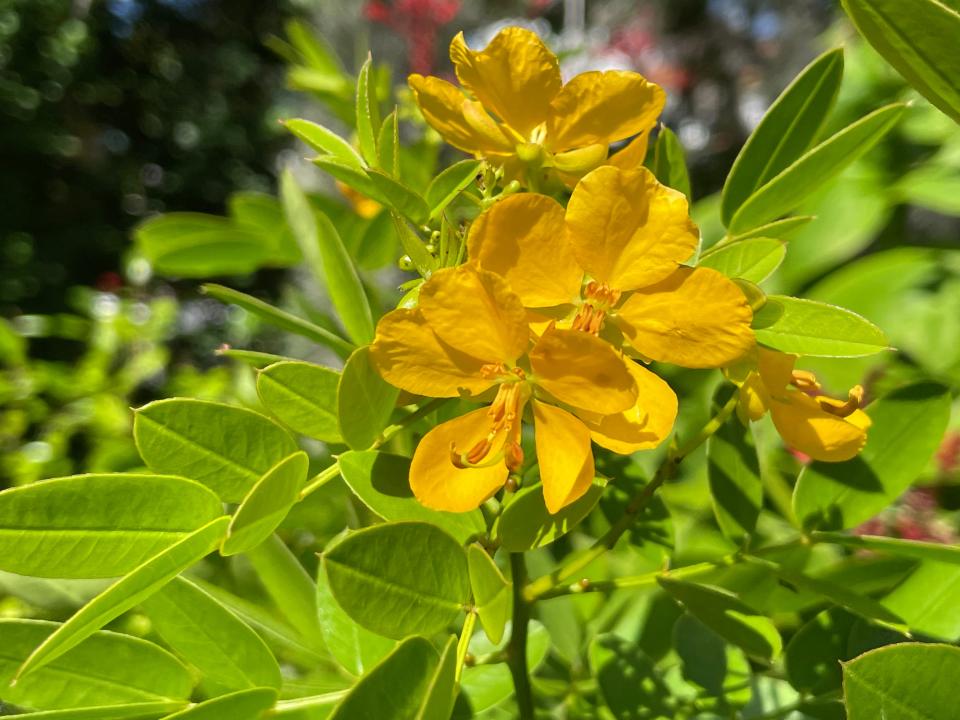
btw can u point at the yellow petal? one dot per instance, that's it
(582, 370)
(754, 398)
(776, 368)
(515, 76)
(564, 455)
(806, 427)
(646, 424)
(696, 318)
(408, 355)
(476, 312)
(521, 239)
(438, 483)
(627, 230)
(602, 107)
(580, 161)
(632, 156)
(443, 107)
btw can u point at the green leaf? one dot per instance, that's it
(813, 655)
(365, 401)
(808, 327)
(368, 113)
(328, 259)
(492, 592)
(753, 259)
(786, 131)
(907, 427)
(211, 638)
(376, 575)
(267, 504)
(380, 480)
(105, 669)
(126, 593)
(281, 319)
(131, 711)
(98, 526)
(197, 245)
(302, 396)
(920, 40)
(401, 198)
(389, 145)
(226, 448)
(728, 616)
(261, 213)
(423, 261)
(488, 685)
(629, 683)
(352, 645)
(709, 661)
(796, 182)
(733, 471)
(929, 600)
(325, 141)
(779, 229)
(909, 681)
(395, 689)
(935, 551)
(442, 689)
(290, 587)
(450, 183)
(526, 524)
(670, 162)
(241, 705)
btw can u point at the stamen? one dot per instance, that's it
(504, 414)
(598, 300)
(854, 402)
(805, 380)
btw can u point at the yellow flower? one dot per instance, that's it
(469, 337)
(611, 263)
(821, 427)
(519, 112)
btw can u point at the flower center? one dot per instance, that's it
(598, 299)
(505, 413)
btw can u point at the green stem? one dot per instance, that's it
(320, 479)
(665, 472)
(465, 634)
(517, 647)
(418, 414)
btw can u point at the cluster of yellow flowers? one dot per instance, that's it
(557, 309)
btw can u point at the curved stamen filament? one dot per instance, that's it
(854, 402)
(504, 413)
(598, 301)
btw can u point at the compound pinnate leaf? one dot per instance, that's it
(267, 504)
(126, 593)
(352, 645)
(807, 327)
(786, 131)
(211, 638)
(526, 523)
(753, 259)
(241, 705)
(105, 669)
(907, 427)
(302, 396)
(728, 616)
(377, 576)
(226, 448)
(381, 482)
(396, 688)
(365, 401)
(796, 182)
(98, 526)
(920, 40)
(908, 681)
(491, 592)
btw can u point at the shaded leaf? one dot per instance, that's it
(241, 705)
(670, 162)
(492, 592)
(526, 524)
(365, 401)
(733, 470)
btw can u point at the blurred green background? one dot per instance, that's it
(114, 111)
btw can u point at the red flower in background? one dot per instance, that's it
(418, 21)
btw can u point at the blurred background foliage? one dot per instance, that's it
(112, 112)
